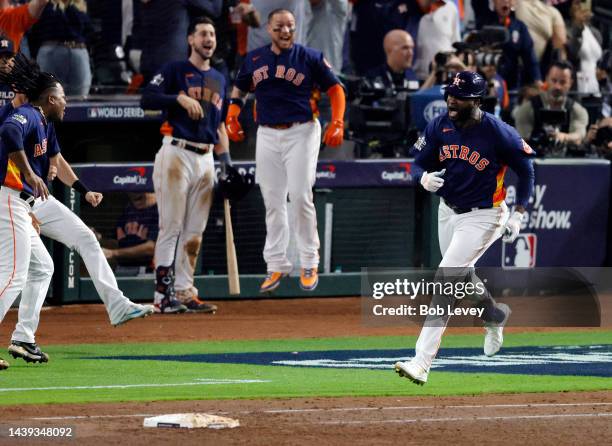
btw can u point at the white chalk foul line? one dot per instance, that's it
(467, 406)
(197, 382)
(447, 419)
(348, 409)
(87, 417)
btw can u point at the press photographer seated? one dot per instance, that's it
(598, 140)
(552, 117)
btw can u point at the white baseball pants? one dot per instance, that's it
(24, 263)
(183, 182)
(61, 224)
(286, 163)
(463, 238)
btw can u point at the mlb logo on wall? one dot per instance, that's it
(521, 253)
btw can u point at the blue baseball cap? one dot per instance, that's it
(6, 46)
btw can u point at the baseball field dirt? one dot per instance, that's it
(484, 416)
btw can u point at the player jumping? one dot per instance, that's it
(463, 156)
(283, 75)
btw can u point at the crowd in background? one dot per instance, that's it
(550, 48)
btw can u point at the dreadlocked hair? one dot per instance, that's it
(25, 77)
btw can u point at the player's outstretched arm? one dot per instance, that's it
(67, 176)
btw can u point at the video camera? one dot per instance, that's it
(481, 48)
(379, 118)
(542, 140)
(485, 45)
(603, 136)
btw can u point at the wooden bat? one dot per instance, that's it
(230, 250)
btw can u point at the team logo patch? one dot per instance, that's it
(20, 118)
(521, 253)
(583, 360)
(420, 143)
(157, 80)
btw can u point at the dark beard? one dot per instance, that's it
(202, 55)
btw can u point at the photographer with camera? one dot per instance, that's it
(396, 73)
(551, 121)
(598, 140)
(444, 66)
(517, 47)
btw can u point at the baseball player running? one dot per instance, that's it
(23, 165)
(57, 222)
(191, 93)
(463, 156)
(282, 76)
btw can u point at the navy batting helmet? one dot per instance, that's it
(467, 85)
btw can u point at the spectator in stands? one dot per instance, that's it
(518, 65)
(438, 30)
(584, 47)
(547, 30)
(6, 56)
(404, 14)
(16, 20)
(365, 36)
(529, 118)
(62, 32)
(163, 27)
(232, 28)
(326, 28)
(136, 232)
(604, 72)
(300, 9)
(397, 71)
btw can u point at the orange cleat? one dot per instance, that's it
(309, 279)
(272, 281)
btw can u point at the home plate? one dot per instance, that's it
(191, 421)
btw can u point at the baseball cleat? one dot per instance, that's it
(3, 364)
(29, 352)
(413, 372)
(195, 305)
(170, 305)
(494, 336)
(272, 281)
(135, 311)
(309, 279)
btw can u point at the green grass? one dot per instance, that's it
(68, 368)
